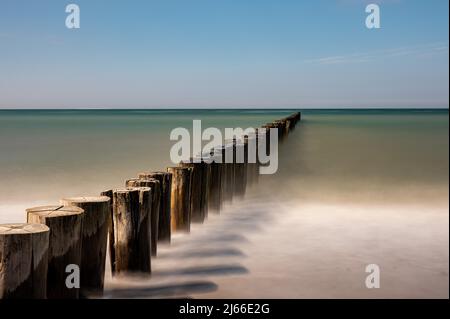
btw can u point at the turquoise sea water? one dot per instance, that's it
(353, 187)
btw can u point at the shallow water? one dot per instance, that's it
(353, 188)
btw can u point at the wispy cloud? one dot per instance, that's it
(422, 50)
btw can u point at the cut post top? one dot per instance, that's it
(22, 228)
(137, 188)
(127, 190)
(143, 180)
(146, 175)
(179, 168)
(55, 211)
(86, 199)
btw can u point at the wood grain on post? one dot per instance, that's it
(215, 182)
(155, 186)
(289, 124)
(205, 185)
(206, 177)
(144, 230)
(229, 174)
(23, 261)
(255, 165)
(165, 181)
(264, 139)
(109, 193)
(180, 204)
(223, 168)
(251, 156)
(131, 213)
(95, 234)
(240, 172)
(65, 243)
(199, 190)
(294, 119)
(281, 125)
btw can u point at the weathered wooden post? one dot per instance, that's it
(95, 234)
(65, 242)
(295, 118)
(281, 125)
(131, 214)
(240, 172)
(254, 140)
(264, 137)
(219, 158)
(165, 181)
(180, 204)
(229, 172)
(206, 181)
(206, 178)
(288, 122)
(251, 156)
(199, 189)
(215, 182)
(109, 193)
(154, 184)
(23, 261)
(144, 230)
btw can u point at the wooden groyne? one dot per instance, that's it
(35, 256)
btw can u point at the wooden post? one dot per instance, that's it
(264, 138)
(154, 184)
(199, 190)
(23, 261)
(206, 177)
(95, 233)
(229, 174)
(251, 166)
(180, 204)
(294, 119)
(240, 172)
(165, 181)
(281, 125)
(109, 193)
(269, 126)
(144, 230)
(131, 213)
(289, 124)
(65, 242)
(205, 184)
(215, 183)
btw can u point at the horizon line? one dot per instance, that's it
(223, 109)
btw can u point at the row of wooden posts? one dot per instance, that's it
(36, 257)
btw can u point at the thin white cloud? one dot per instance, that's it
(422, 50)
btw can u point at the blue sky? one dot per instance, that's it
(223, 53)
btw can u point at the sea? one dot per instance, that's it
(353, 188)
